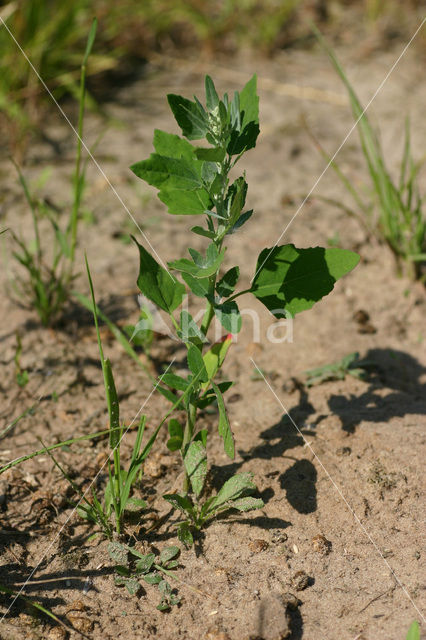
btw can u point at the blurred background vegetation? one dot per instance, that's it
(53, 34)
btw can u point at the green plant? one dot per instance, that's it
(21, 375)
(234, 494)
(132, 564)
(413, 631)
(50, 271)
(194, 180)
(350, 364)
(401, 222)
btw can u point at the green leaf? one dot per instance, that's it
(135, 504)
(236, 199)
(185, 203)
(168, 554)
(245, 137)
(198, 286)
(182, 503)
(224, 426)
(174, 381)
(117, 552)
(247, 504)
(214, 357)
(172, 146)
(144, 564)
(229, 316)
(174, 443)
(215, 154)
(234, 488)
(195, 462)
(241, 220)
(188, 116)
(200, 267)
(226, 285)
(157, 284)
(113, 405)
(203, 232)
(168, 173)
(196, 363)
(413, 631)
(131, 584)
(212, 99)
(153, 578)
(185, 535)
(190, 332)
(291, 280)
(202, 437)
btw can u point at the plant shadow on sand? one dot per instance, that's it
(395, 370)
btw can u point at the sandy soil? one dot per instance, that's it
(336, 553)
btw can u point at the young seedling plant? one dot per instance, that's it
(49, 264)
(195, 181)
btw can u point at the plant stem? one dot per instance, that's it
(188, 433)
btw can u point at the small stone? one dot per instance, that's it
(258, 545)
(57, 633)
(79, 622)
(76, 605)
(214, 633)
(278, 536)
(300, 580)
(343, 451)
(321, 545)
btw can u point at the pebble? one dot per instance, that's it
(321, 545)
(300, 580)
(258, 545)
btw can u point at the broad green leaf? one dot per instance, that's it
(249, 102)
(198, 286)
(189, 330)
(224, 426)
(135, 504)
(187, 114)
(229, 316)
(195, 462)
(185, 203)
(169, 173)
(413, 631)
(168, 554)
(144, 564)
(174, 443)
(174, 381)
(117, 552)
(131, 584)
(214, 357)
(226, 285)
(215, 154)
(247, 504)
(291, 280)
(157, 284)
(153, 578)
(234, 488)
(196, 363)
(172, 146)
(212, 99)
(182, 503)
(185, 535)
